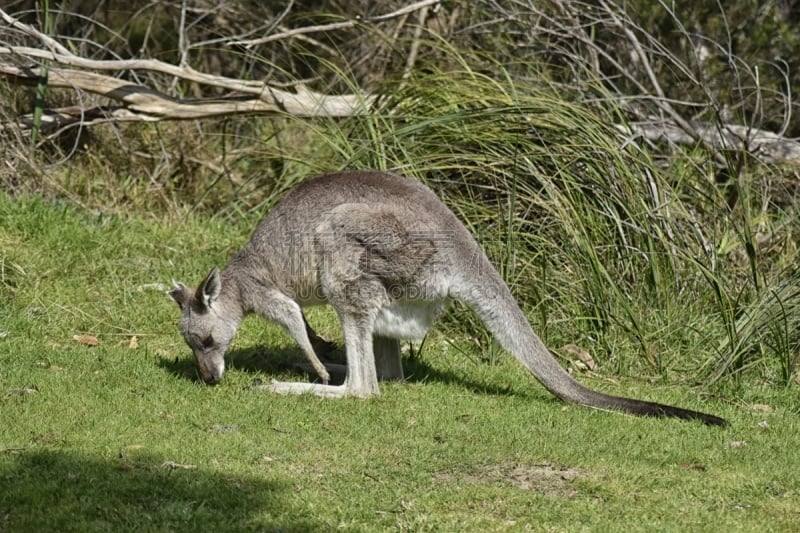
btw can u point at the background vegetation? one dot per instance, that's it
(524, 118)
(607, 156)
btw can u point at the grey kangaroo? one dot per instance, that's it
(388, 255)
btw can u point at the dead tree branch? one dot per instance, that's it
(421, 5)
(136, 102)
(677, 95)
(764, 145)
(141, 103)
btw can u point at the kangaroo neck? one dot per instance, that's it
(232, 301)
(246, 287)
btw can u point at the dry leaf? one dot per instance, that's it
(88, 340)
(762, 407)
(582, 355)
(134, 343)
(580, 365)
(22, 391)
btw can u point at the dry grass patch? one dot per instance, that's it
(546, 479)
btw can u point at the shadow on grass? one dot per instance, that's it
(254, 360)
(65, 491)
(263, 360)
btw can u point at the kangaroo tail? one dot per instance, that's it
(495, 305)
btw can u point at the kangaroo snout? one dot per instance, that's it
(210, 378)
(210, 374)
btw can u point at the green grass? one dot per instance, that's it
(121, 437)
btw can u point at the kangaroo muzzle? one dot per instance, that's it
(210, 373)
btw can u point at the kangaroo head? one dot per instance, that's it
(205, 325)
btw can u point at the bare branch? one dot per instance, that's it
(765, 145)
(422, 4)
(146, 104)
(412, 55)
(661, 100)
(139, 102)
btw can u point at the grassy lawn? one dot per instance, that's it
(103, 426)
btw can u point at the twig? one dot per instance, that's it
(661, 101)
(423, 4)
(13, 450)
(412, 54)
(172, 465)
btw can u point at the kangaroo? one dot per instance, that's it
(387, 255)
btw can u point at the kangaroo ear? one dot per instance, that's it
(209, 288)
(180, 294)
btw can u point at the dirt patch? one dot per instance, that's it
(547, 479)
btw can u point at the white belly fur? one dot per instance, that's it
(407, 319)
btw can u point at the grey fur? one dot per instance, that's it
(388, 255)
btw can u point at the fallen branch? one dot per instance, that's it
(422, 4)
(765, 145)
(141, 103)
(138, 102)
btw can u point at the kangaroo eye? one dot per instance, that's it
(207, 342)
